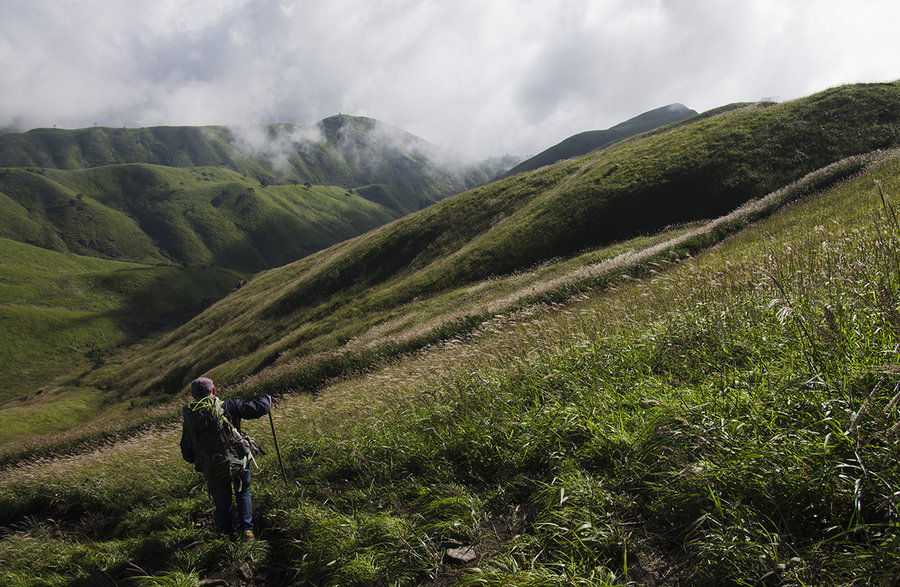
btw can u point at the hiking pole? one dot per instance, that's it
(277, 452)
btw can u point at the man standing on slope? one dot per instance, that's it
(201, 444)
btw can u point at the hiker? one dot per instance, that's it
(203, 444)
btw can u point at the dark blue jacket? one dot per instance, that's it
(235, 410)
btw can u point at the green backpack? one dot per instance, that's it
(219, 448)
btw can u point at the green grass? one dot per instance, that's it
(196, 216)
(728, 419)
(46, 415)
(64, 313)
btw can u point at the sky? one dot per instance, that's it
(479, 77)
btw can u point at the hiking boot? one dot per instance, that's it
(248, 534)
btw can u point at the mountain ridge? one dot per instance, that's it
(181, 190)
(277, 153)
(587, 141)
(687, 172)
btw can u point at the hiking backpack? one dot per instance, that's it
(220, 449)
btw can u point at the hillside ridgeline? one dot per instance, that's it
(593, 140)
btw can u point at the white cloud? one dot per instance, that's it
(481, 77)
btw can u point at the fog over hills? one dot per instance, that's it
(348, 151)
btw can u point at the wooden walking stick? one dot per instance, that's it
(277, 452)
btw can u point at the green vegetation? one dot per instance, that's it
(195, 210)
(62, 313)
(196, 216)
(727, 419)
(288, 319)
(244, 198)
(343, 151)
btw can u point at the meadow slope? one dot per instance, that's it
(63, 312)
(195, 216)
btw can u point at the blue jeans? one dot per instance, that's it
(220, 490)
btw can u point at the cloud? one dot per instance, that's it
(481, 77)
(275, 144)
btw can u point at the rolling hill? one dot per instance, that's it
(63, 312)
(186, 216)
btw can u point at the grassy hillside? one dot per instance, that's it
(99, 146)
(247, 198)
(195, 216)
(726, 419)
(206, 224)
(319, 305)
(62, 313)
(243, 199)
(592, 140)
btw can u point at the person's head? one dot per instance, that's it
(202, 387)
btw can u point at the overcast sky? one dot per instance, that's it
(483, 77)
